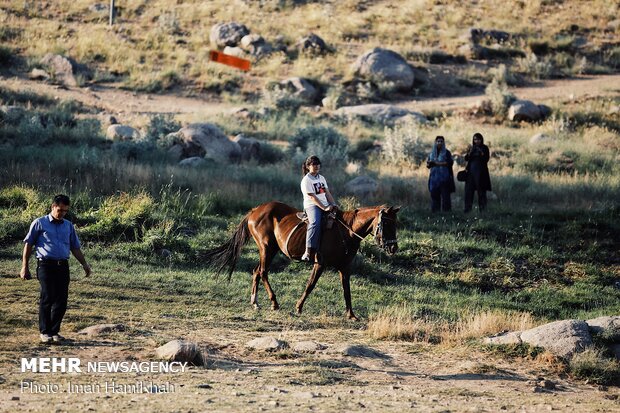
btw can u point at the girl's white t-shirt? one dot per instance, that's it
(316, 185)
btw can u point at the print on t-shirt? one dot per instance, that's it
(319, 188)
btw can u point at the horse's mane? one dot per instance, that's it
(349, 216)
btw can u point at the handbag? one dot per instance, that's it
(461, 176)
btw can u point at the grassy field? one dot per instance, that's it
(546, 249)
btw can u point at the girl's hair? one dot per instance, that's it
(305, 167)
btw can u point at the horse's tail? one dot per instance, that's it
(227, 254)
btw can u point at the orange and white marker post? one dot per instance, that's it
(229, 60)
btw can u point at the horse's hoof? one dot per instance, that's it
(352, 317)
(256, 307)
(299, 310)
(275, 306)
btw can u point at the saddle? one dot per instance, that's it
(328, 222)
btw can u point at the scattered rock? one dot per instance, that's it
(546, 384)
(193, 162)
(122, 133)
(111, 120)
(267, 344)
(255, 45)
(307, 346)
(180, 350)
(562, 338)
(301, 88)
(304, 395)
(378, 112)
(511, 337)
(383, 66)
(250, 147)
(236, 51)
(98, 8)
(228, 34)
(311, 44)
(608, 325)
(362, 351)
(38, 74)
(204, 140)
(362, 187)
(101, 329)
(524, 110)
(540, 138)
(475, 35)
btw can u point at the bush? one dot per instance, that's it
(275, 96)
(325, 142)
(499, 96)
(121, 216)
(403, 144)
(592, 365)
(160, 126)
(5, 55)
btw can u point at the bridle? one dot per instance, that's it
(378, 232)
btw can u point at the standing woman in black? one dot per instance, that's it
(478, 178)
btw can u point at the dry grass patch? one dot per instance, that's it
(399, 323)
(486, 323)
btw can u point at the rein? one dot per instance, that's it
(349, 228)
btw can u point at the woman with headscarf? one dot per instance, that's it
(441, 178)
(478, 178)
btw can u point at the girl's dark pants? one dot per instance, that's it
(441, 197)
(54, 280)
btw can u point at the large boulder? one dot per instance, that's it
(236, 51)
(524, 110)
(562, 338)
(362, 186)
(606, 325)
(378, 112)
(122, 133)
(250, 147)
(510, 337)
(179, 350)
(301, 88)
(205, 140)
(228, 34)
(541, 138)
(385, 66)
(62, 68)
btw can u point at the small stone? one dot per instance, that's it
(15, 398)
(204, 386)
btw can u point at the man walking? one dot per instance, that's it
(52, 237)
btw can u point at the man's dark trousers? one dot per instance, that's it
(54, 279)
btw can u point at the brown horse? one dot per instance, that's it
(276, 227)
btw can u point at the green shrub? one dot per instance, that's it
(5, 55)
(161, 125)
(121, 216)
(592, 365)
(499, 96)
(403, 144)
(323, 141)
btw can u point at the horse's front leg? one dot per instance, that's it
(317, 270)
(346, 288)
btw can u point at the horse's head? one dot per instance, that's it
(385, 229)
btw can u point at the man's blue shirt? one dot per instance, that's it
(52, 239)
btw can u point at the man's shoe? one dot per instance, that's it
(57, 338)
(306, 256)
(45, 339)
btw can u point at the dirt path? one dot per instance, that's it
(117, 101)
(550, 90)
(399, 376)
